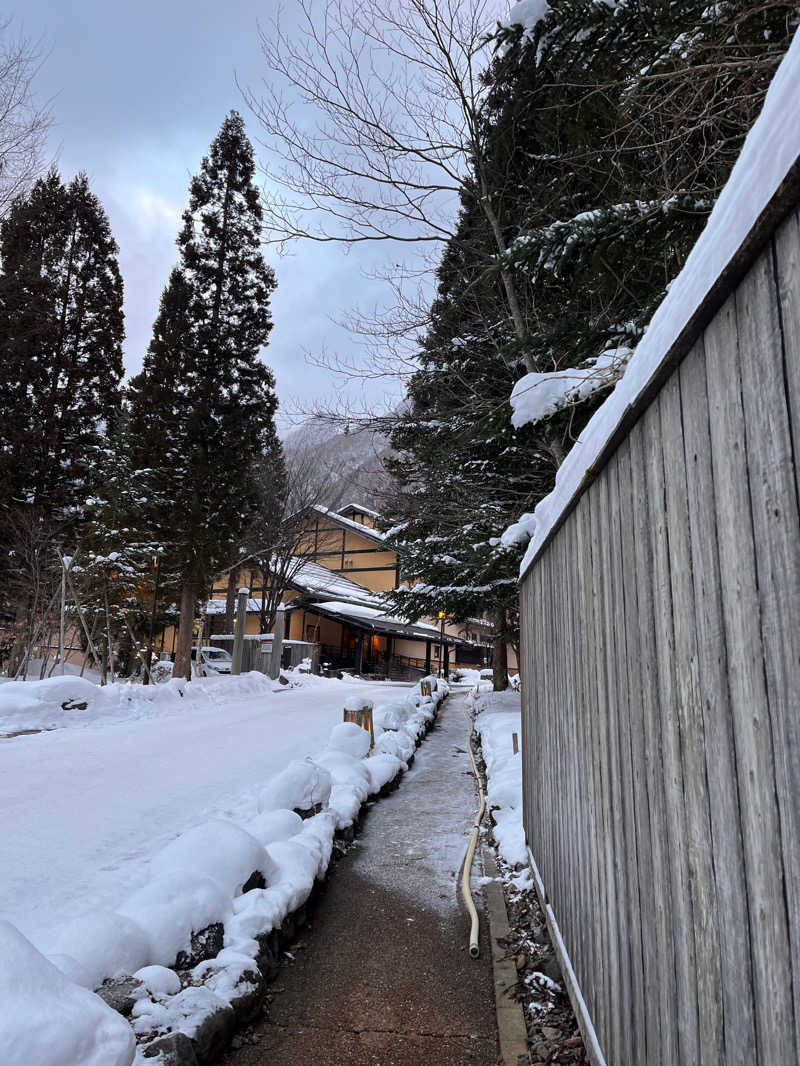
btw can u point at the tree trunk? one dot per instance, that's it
(183, 645)
(230, 598)
(500, 654)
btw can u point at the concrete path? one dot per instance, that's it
(385, 977)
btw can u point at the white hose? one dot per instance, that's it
(466, 892)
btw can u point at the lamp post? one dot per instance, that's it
(441, 645)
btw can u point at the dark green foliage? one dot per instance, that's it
(61, 331)
(202, 409)
(607, 135)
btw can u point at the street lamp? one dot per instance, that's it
(441, 645)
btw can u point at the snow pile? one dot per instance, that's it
(220, 850)
(170, 908)
(67, 702)
(771, 149)
(301, 786)
(351, 739)
(498, 715)
(47, 1020)
(100, 944)
(536, 396)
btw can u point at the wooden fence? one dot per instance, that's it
(661, 733)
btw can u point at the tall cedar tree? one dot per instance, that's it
(61, 333)
(609, 130)
(202, 409)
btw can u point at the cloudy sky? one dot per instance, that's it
(138, 91)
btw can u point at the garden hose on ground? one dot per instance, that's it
(474, 950)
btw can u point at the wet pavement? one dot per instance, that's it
(383, 976)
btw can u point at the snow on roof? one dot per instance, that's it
(360, 508)
(316, 579)
(356, 527)
(375, 619)
(771, 150)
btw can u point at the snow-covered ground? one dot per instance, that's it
(138, 818)
(497, 717)
(86, 805)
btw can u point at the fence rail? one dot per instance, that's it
(661, 733)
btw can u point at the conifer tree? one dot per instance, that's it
(607, 133)
(61, 332)
(202, 409)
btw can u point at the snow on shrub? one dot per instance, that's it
(172, 907)
(301, 786)
(351, 739)
(297, 870)
(158, 980)
(274, 825)
(382, 769)
(395, 742)
(47, 1020)
(218, 849)
(103, 944)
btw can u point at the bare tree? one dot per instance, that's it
(374, 119)
(24, 123)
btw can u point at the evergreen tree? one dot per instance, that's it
(607, 133)
(61, 332)
(202, 409)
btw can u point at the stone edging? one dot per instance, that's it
(510, 1019)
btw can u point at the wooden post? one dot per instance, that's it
(515, 743)
(388, 656)
(446, 660)
(427, 657)
(277, 642)
(238, 639)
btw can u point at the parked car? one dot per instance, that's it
(213, 660)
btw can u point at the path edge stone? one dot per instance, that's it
(511, 1027)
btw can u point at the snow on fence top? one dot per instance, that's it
(762, 184)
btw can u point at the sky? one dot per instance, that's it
(138, 90)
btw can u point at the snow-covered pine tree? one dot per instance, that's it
(61, 332)
(608, 131)
(202, 409)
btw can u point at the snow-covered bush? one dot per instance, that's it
(220, 850)
(301, 786)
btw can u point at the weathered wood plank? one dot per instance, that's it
(647, 1045)
(628, 862)
(787, 271)
(720, 768)
(666, 1051)
(687, 710)
(615, 696)
(675, 814)
(750, 710)
(592, 974)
